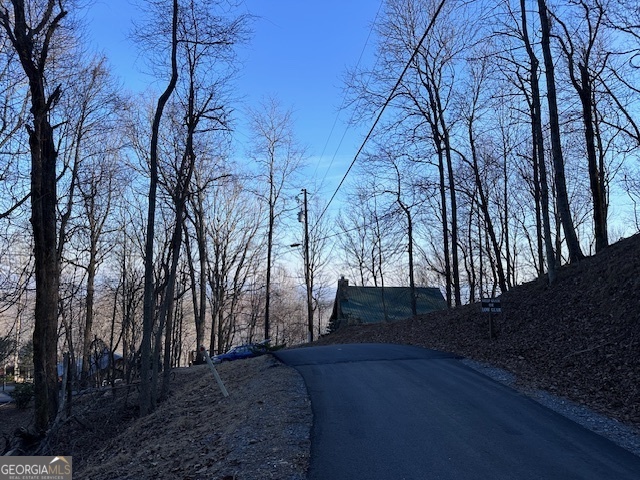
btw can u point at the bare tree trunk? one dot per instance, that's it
(216, 302)
(377, 249)
(412, 281)
(267, 288)
(222, 339)
(582, 82)
(602, 177)
(112, 343)
(538, 204)
(198, 320)
(443, 147)
(166, 312)
(470, 266)
(445, 229)
(88, 323)
(32, 44)
(484, 207)
(455, 265)
(201, 237)
(146, 405)
(538, 149)
(510, 273)
(595, 174)
(47, 272)
(562, 199)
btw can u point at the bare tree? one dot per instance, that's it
(33, 30)
(575, 252)
(319, 258)
(279, 158)
(367, 233)
(97, 189)
(146, 399)
(199, 286)
(581, 55)
(353, 239)
(471, 112)
(130, 271)
(541, 185)
(397, 175)
(205, 56)
(423, 97)
(235, 250)
(90, 108)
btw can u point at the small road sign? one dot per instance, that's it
(491, 305)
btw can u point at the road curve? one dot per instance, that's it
(397, 412)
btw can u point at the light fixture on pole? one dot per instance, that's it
(303, 216)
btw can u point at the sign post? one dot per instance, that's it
(491, 306)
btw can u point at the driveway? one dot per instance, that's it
(399, 412)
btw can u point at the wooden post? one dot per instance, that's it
(214, 371)
(491, 306)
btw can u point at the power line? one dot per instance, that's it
(359, 227)
(386, 103)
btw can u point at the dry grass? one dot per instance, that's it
(261, 431)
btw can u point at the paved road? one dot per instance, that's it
(391, 412)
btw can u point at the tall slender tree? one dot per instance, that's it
(279, 158)
(562, 198)
(539, 163)
(581, 55)
(33, 30)
(146, 398)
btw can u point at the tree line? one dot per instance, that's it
(129, 222)
(509, 139)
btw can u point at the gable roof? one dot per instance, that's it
(354, 305)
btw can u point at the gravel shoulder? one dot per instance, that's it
(626, 436)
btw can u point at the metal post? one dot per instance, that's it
(491, 326)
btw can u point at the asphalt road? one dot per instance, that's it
(397, 412)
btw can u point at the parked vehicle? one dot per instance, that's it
(242, 351)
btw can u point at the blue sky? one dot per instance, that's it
(299, 52)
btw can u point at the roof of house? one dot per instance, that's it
(377, 304)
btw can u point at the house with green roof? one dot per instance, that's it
(362, 305)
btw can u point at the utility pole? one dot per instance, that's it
(307, 269)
